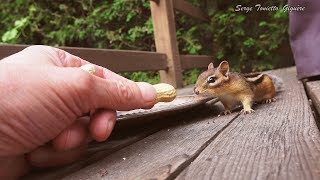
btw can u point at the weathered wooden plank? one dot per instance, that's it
(9, 49)
(161, 155)
(96, 151)
(279, 141)
(165, 38)
(189, 9)
(115, 60)
(313, 88)
(127, 131)
(139, 117)
(195, 61)
(187, 90)
(121, 137)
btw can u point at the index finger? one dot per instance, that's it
(66, 59)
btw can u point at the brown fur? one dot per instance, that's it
(231, 88)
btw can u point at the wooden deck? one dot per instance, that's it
(280, 140)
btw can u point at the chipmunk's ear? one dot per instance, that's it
(210, 66)
(224, 68)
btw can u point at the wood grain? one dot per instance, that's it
(161, 155)
(195, 61)
(279, 141)
(96, 151)
(115, 60)
(187, 90)
(313, 88)
(166, 42)
(124, 134)
(187, 8)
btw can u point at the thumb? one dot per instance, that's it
(121, 94)
(106, 90)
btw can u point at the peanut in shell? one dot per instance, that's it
(165, 92)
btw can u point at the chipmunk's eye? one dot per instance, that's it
(211, 80)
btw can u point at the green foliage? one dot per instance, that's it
(247, 40)
(190, 76)
(118, 24)
(150, 77)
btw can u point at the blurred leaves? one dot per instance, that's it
(117, 24)
(247, 40)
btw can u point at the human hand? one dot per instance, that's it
(43, 95)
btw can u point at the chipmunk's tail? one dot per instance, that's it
(277, 81)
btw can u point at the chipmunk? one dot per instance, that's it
(231, 87)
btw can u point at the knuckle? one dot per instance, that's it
(62, 55)
(125, 91)
(83, 81)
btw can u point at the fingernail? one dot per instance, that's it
(147, 91)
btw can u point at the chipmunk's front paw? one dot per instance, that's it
(269, 100)
(226, 112)
(247, 111)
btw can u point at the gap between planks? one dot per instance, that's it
(174, 174)
(160, 162)
(313, 91)
(163, 154)
(120, 138)
(279, 141)
(251, 147)
(94, 154)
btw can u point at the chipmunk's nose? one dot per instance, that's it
(195, 90)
